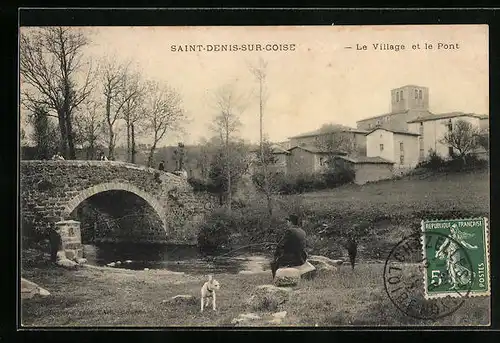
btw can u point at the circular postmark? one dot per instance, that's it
(423, 281)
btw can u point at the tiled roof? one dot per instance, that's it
(399, 132)
(382, 115)
(334, 128)
(447, 115)
(276, 149)
(315, 150)
(365, 159)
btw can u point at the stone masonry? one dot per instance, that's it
(51, 190)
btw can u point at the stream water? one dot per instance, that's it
(179, 258)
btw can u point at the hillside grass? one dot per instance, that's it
(393, 209)
(105, 298)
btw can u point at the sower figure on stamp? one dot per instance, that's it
(291, 250)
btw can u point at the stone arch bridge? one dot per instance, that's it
(51, 190)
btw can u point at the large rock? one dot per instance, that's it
(287, 277)
(63, 261)
(268, 297)
(324, 263)
(30, 289)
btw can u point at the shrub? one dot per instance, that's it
(433, 162)
(215, 231)
(338, 175)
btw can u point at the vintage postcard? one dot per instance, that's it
(288, 176)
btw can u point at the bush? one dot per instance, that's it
(215, 231)
(436, 163)
(339, 175)
(433, 162)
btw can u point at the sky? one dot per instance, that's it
(319, 82)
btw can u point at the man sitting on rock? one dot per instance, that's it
(291, 250)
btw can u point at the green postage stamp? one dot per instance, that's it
(456, 255)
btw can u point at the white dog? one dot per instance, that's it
(208, 291)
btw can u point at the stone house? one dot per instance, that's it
(433, 128)
(399, 147)
(306, 159)
(355, 138)
(366, 169)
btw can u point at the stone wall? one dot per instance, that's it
(51, 190)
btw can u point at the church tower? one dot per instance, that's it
(409, 97)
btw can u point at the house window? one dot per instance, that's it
(369, 126)
(401, 147)
(401, 159)
(450, 126)
(420, 94)
(381, 147)
(416, 93)
(397, 97)
(401, 95)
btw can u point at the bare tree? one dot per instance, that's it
(117, 93)
(132, 97)
(335, 138)
(266, 178)
(90, 125)
(227, 124)
(50, 61)
(259, 71)
(162, 111)
(462, 137)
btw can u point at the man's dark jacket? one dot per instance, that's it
(291, 250)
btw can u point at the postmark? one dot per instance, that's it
(459, 260)
(404, 282)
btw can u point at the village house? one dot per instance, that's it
(433, 128)
(308, 159)
(399, 147)
(280, 155)
(366, 169)
(317, 138)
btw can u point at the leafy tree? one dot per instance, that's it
(44, 134)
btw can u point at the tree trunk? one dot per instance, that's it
(132, 138)
(111, 147)
(229, 190)
(64, 136)
(151, 155)
(71, 140)
(128, 141)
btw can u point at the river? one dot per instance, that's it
(178, 258)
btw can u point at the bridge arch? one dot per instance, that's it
(116, 186)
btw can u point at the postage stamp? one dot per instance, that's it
(456, 252)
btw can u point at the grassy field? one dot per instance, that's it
(98, 297)
(467, 193)
(393, 208)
